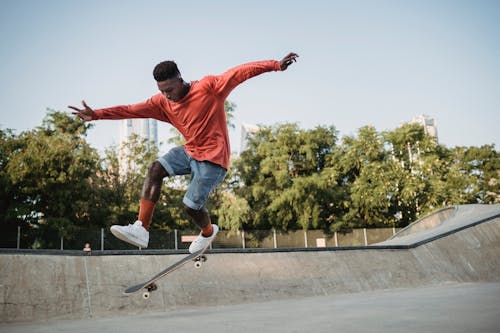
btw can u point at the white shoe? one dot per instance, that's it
(201, 242)
(134, 234)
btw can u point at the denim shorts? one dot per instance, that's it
(205, 176)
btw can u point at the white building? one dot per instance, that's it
(247, 131)
(428, 123)
(144, 128)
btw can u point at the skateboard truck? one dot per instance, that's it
(198, 262)
(150, 288)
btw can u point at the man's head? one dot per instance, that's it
(169, 81)
(166, 70)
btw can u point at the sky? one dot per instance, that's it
(362, 62)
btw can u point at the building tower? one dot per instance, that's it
(247, 131)
(144, 128)
(428, 123)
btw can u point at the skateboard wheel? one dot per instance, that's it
(146, 295)
(199, 261)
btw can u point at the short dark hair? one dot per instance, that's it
(166, 70)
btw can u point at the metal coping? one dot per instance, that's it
(79, 253)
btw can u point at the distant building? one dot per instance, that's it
(428, 123)
(144, 128)
(247, 131)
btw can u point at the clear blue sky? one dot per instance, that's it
(361, 63)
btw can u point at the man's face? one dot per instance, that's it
(172, 89)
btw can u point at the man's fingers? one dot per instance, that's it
(74, 108)
(288, 60)
(77, 113)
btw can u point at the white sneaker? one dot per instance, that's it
(134, 234)
(201, 242)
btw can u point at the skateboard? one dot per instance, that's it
(149, 286)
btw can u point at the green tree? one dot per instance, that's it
(289, 178)
(9, 220)
(478, 172)
(52, 171)
(232, 212)
(282, 180)
(416, 158)
(368, 179)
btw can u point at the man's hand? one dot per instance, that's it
(288, 60)
(85, 114)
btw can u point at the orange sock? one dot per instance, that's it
(208, 230)
(146, 209)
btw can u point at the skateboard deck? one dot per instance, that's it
(150, 285)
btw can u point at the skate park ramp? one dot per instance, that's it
(441, 223)
(459, 244)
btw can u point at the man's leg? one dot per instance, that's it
(205, 176)
(208, 232)
(202, 219)
(175, 162)
(151, 191)
(138, 233)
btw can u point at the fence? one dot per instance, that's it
(102, 239)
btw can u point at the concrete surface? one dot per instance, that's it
(457, 308)
(443, 222)
(45, 287)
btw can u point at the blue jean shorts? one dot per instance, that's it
(205, 176)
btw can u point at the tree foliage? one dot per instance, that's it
(50, 173)
(284, 177)
(293, 178)
(289, 178)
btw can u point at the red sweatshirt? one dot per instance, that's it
(200, 116)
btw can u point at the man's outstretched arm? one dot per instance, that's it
(236, 75)
(146, 109)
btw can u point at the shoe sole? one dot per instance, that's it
(126, 238)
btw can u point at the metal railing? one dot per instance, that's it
(102, 239)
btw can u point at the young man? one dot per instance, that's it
(196, 109)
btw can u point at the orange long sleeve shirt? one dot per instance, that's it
(200, 116)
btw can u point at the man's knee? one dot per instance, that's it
(193, 212)
(156, 170)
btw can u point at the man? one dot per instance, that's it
(196, 109)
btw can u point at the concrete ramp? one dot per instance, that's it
(46, 285)
(443, 223)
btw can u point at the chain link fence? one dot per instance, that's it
(102, 239)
